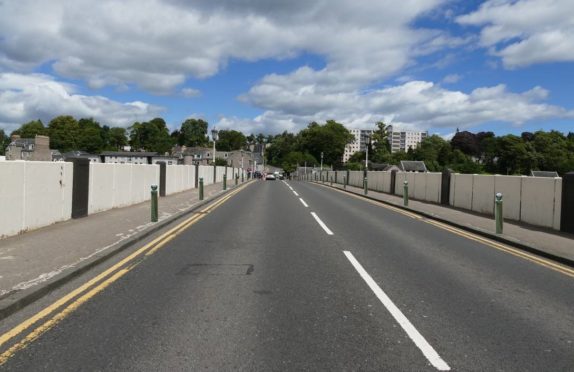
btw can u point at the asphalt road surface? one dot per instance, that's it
(294, 276)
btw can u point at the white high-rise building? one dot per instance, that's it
(399, 140)
(358, 144)
(403, 140)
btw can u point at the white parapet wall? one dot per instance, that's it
(34, 194)
(120, 185)
(179, 178)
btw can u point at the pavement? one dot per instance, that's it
(292, 276)
(545, 242)
(38, 261)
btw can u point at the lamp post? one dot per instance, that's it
(321, 162)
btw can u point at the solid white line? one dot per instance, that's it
(305, 204)
(295, 192)
(418, 339)
(329, 232)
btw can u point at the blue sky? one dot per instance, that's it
(268, 66)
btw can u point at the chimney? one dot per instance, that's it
(15, 137)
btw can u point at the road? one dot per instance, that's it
(260, 283)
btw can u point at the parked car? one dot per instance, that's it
(270, 177)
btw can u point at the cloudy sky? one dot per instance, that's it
(270, 65)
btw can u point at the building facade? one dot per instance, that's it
(34, 149)
(358, 144)
(404, 140)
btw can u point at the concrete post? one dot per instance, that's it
(406, 193)
(154, 212)
(201, 188)
(498, 216)
(162, 177)
(196, 181)
(567, 209)
(393, 181)
(445, 187)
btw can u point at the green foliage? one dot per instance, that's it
(329, 139)
(357, 157)
(381, 145)
(230, 140)
(221, 162)
(31, 129)
(151, 136)
(117, 138)
(193, 132)
(90, 136)
(64, 132)
(4, 141)
(296, 158)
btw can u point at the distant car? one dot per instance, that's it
(270, 177)
(281, 176)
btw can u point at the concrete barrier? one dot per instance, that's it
(462, 191)
(539, 201)
(34, 194)
(483, 194)
(179, 178)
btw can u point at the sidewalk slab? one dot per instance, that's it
(549, 243)
(46, 257)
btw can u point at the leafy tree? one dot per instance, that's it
(230, 140)
(220, 161)
(329, 139)
(514, 156)
(151, 136)
(553, 151)
(462, 163)
(280, 147)
(381, 145)
(90, 136)
(193, 133)
(64, 133)
(4, 142)
(434, 151)
(31, 129)
(466, 142)
(117, 137)
(260, 138)
(294, 159)
(358, 157)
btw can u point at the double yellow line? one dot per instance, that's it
(71, 301)
(475, 237)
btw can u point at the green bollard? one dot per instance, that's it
(499, 219)
(242, 176)
(406, 193)
(201, 188)
(331, 181)
(345, 182)
(225, 181)
(236, 179)
(153, 203)
(365, 185)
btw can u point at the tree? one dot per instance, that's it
(281, 146)
(434, 151)
(151, 136)
(193, 133)
(230, 140)
(514, 156)
(220, 162)
(31, 129)
(329, 139)
(90, 136)
(117, 137)
(381, 146)
(4, 142)
(64, 133)
(294, 159)
(466, 142)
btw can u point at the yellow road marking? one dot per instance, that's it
(32, 336)
(163, 242)
(20, 328)
(501, 247)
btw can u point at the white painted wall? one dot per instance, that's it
(462, 190)
(120, 185)
(483, 194)
(539, 201)
(34, 194)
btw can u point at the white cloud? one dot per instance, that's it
(157, 44)
(25, 97)
(190, 92)
(414, 105)
(451, 78)
(526, 32)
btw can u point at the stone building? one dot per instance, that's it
(34, 149)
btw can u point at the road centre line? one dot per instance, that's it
(321, 223)
(111, 272)
(471, 236)
(429, 352)
(295, 192)
(303, 202)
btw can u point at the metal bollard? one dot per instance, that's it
(242, 176)
(499, 219)
(225, 182)
(331, 181)
(153, 203)
(365, 185)
(236, 179)
(345, 182)
(201, 188)
(406, 193)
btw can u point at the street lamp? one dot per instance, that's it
(214, 137)
(321, 161)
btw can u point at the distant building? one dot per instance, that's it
(80, 154)
(403, 140)
(34, 149)
(122, 157)
(359, 143)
